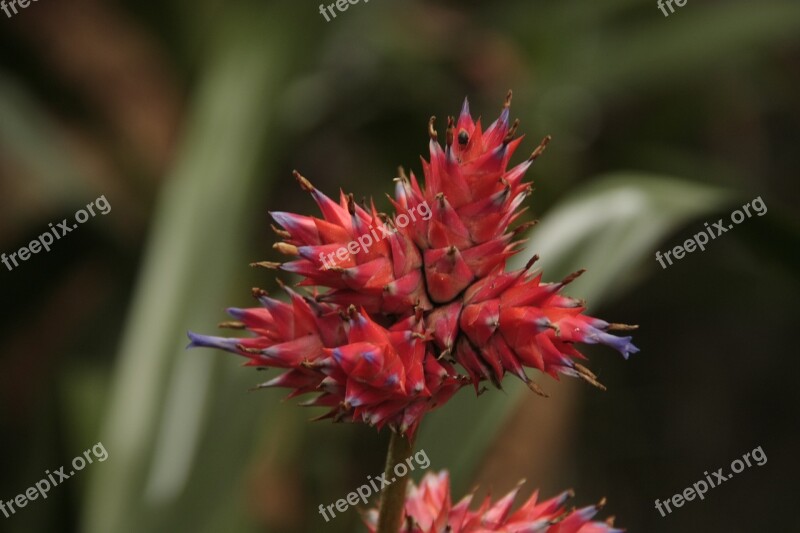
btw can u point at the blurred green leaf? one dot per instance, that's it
(675, 47)
(608, 227)
(161, 402)
(657, 50)
(30, 137)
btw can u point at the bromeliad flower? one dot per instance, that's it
(428, 509)
(409, 295)
(361, 370)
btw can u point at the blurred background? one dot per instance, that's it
(190, 116)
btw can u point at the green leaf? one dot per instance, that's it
(696, 38)
(162, 418)
(609, 227)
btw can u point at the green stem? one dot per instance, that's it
(394, 495)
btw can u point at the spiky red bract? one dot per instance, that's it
(360, 370)
(429, 286)
(428, 509)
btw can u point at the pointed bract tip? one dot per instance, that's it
(450, 132)
(511, 132)
(465, 108)
(192, 336)
(572, 277)
(282, 233)
(541, 148)
(524, 227)
(271, 265)
(621, 327)
(533, 386)
(236, 312)
(401, 174)
(209, 341)
(586, 375)
(507, 102)
(304, 183)
(286, 249)
(431, 130)
(244, 349)
(258, 293)
(583, 370)
(258, 387)
(231, 324)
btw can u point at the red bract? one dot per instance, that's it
(410, 294)
(428, 509)
(361, 370)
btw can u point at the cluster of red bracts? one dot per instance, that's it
(360, 370)
(406, 300)
(429, 509)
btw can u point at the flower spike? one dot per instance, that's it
(403, 303)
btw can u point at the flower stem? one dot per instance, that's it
(394, 495)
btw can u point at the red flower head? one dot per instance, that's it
(428, 509)
(410, 294)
